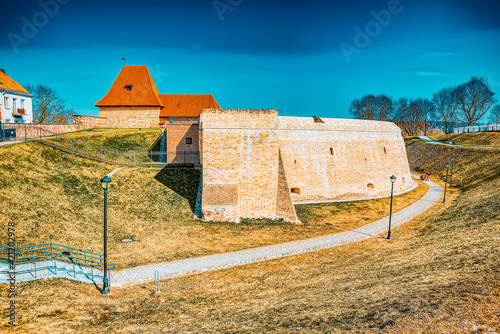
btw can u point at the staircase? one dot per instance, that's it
(51, 261)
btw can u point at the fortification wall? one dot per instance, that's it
(182, 143)
(90, 121)
(256, 164)
(131, 117)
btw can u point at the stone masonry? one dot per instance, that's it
(257, 164)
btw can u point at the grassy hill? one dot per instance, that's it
(56, 197)
(478, 139)
(441, 275)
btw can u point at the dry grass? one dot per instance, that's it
(60, 200)
(441, 275)
(478, 139)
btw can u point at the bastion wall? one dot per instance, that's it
(257, 164)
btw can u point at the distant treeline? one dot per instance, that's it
(466, 104)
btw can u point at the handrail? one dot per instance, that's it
(73, 256)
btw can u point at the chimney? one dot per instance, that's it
(2, 70)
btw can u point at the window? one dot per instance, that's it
(189, 141)
(295, 191)
(370, 186)
(128, 88)
(6, 102)
(385, 151)
(178, 105)
(331, 151)
(22, 104)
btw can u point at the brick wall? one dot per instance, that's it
(131, 117)
(177, 136)
(90, 121)
(33, 131)
(252, 158)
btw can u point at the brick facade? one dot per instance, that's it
(183, 139)
(252, 159)
(131, 117)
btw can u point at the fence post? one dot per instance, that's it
(87, 148)
(71, 145)
(40, 133)
(35, 265)
(56, 139)
(117, 156)
(102, 152)
(134, 158)
(25, 133)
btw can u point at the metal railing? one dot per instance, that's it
(85, 149)
(39, 257)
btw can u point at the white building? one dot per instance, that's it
(15, 101)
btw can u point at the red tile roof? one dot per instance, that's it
(143, 90)
(7, 82)
(186, 105)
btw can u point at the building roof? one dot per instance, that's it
(134, 86)
(186, 105)
(7, 83)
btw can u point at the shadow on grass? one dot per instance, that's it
(183, 180)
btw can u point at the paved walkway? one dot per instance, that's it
(143, 274)
(3, 143)
(432, 141)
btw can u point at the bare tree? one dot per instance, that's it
(384, 107)
(363, 108)
(417, 114)
(495, 114)
(48, 106)
(475, 99)
(446, 105)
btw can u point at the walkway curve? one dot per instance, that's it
(432, 141)
(144, 274)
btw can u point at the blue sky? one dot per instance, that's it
(300, 57)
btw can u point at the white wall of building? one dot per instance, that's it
(11, 102)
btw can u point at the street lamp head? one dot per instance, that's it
(105, 181)
(452, 158)
(393, 179)
(447, 164)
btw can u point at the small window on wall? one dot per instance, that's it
(385, 151)
(189, 141)
(295, 191)
(6, 102)
(331, 151)
(370, 186)
(22, 104)
(128, 88)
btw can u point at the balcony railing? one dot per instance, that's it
(19, 112)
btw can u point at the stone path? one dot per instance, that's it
(427, 139)
(144, 274)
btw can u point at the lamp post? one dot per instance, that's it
(393, 179)
(105, 181)
(446, 181)
(451, 171)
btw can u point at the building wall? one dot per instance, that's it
(131, 117)
(7, 110)
(91, 122)
(177, 147)
(252, 159)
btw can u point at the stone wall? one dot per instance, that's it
(252, 159)
(131, 117)
(91, 122)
